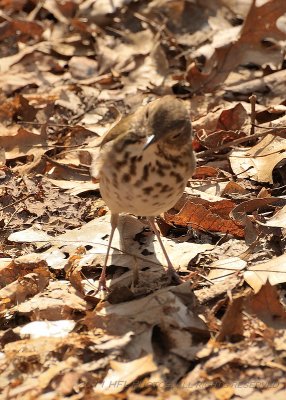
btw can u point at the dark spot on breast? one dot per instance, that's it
(148, 189)
(145, 172)
(177, 176)
(126, 178)
(119, 164)
(133, 165)
(158, 184)
(139, 158)
(163, 165)
(166, 188)
(160, 172)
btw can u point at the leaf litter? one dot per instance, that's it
(68, 71)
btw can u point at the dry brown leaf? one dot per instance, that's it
(258, 162)
(7, 62)
(204, 172)
(228, 119)
(94, 58)
(218, 138)
(55, 9)
(152, 72)
(272, 271)
(273, 85)
(27, 286)
(31, 235)
(266, 305)
(11, 270)
(232, 325)
(129, 254)
(240, 212)
(245, 45)
(207, 216)
(221, 269)
(59, 301)
(123, 374)
(278, 219)
(23, 30)
(169, 309)
(19, 142)
(233, 188)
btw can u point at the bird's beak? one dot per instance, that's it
(150, 140)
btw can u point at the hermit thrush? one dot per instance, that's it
(144, 164)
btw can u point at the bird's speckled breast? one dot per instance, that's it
(144, 182)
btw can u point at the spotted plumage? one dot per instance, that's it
(148, 157)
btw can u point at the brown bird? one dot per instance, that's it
(144, 164)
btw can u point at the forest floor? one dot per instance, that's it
(68, 71)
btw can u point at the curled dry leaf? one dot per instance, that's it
(241, 46)
(273, 84)
(22, 30)
(123, 374)
(233, 188)
(272, 271)
(218, 138)
(20, 142)
(59, 301)
(239, 213)
(204, 172)
(221, 126)
(232, 325)
(25, 287)
(258, 162)
(267, 306)
(207, 216)
(278, 219)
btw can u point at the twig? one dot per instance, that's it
(239, 141)
(64, 166)
(252, 100)
(10, 219)
(17, 201)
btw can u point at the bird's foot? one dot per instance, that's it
(102, 288)
(173, 274)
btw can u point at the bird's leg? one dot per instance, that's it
(171, 270)
(102, 278)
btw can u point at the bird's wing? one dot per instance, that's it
(117, 130)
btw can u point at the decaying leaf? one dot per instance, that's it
(207, 216)
(273, 271)
(258, 162)
(239, 46)
(266, 305)
(68, 71)
(123, 374)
